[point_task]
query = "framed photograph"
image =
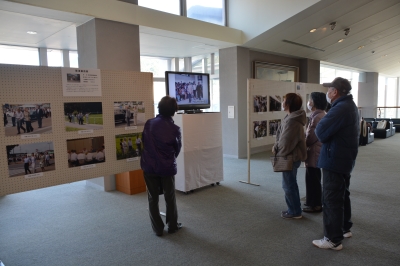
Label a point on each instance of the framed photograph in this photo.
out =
(273, 126)
(129, 113)
(260, 104)
(83, 116)
(29, 159)
(275, 103)
(259, 129)
(269, 71)
(85, 151)
(27, 118)
(128, 145)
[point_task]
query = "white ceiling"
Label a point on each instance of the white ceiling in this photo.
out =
(375, 24)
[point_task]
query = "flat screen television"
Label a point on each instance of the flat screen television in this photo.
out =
(191, 90)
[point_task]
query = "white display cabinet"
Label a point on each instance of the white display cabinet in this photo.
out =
(200, 162)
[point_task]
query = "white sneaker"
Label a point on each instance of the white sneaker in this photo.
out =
(348, 234)
(325, 243)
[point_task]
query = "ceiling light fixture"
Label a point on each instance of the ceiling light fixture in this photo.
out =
(347, 31)
(341, 40)
(333, 25)
(360, 47)
(313, 30)
(31, 32)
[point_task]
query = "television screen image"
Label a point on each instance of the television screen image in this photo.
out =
(27, 118)
(83, 116)
(259, 129)
(273, 126)
(275, 103)
(260, 103)
(191, 90)
(26, 159)
(86, 151)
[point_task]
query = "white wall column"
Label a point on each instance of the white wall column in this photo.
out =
(66, 58)
(43, 56)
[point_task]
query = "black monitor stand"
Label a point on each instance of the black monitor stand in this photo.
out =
(194, 111)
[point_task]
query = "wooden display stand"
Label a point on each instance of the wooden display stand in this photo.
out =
(200, 162)
(130, 182)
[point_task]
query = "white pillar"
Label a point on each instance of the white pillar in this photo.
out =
(43, 56)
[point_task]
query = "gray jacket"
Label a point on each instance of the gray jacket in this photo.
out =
(312, 142)
(290, 138)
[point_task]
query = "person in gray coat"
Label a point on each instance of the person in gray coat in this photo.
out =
(317, 105)
(290, 139)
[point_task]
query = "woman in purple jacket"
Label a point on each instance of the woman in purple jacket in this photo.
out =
(317, 105)
(162, 144)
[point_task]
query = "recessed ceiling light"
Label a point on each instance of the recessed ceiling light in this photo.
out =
(341, 40)
(31, 32)
(360, 47)
(313, 30)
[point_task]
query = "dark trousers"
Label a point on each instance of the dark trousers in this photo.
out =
(39, 122)
(13, 121)
(29, 127)
(26, 167)
(313, 187)
(20, 126)
(336, 205)
(167, 183)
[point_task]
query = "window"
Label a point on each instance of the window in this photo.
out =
(159, 92)
(156, 65)
(55, 58)
(73, 59)
(171, 6)
(387, 97)
(212, 11)
(329, 73)
(19, 55)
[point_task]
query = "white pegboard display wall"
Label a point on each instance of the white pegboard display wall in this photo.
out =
(32, 84)
(279, 88)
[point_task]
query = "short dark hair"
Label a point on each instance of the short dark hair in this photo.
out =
(319, 100)
(167, 106)
(293, 101)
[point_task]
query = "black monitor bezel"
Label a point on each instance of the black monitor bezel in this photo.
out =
(189, 106)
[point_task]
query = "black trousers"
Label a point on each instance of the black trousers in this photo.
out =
(26, 167)
(336, 205)
(313, 187)
(154, 183)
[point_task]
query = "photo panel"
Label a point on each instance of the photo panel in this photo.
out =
(273, 126)
(128, 145)
(83, 116)
(275, 103)
(259, 129)
(27, 118)
(85, 151)
(27, 159)
(260, 104)
(129, 113)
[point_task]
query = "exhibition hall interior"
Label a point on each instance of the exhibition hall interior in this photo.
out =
(86, 75)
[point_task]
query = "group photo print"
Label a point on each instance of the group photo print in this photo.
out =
(25, 159)
(128, 145)
(129, 113)
(27, 118)
(275, 103)
(83, 116)
(259, 129)
(85, 151)
(260, 104)
(273, 126)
